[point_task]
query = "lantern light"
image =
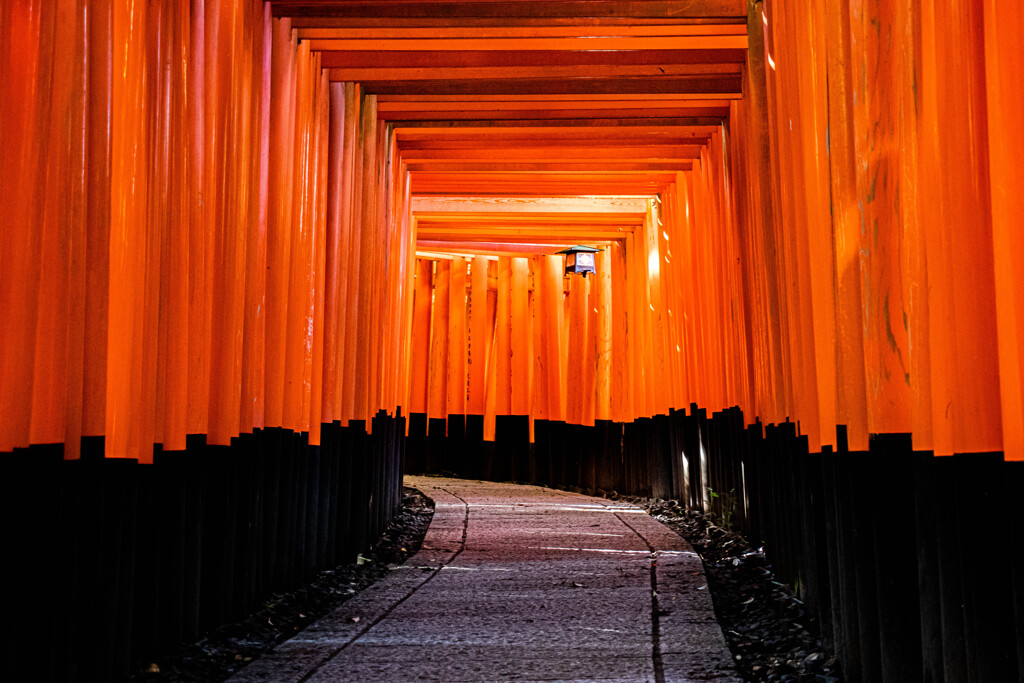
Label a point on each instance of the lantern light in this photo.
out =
(579, 259)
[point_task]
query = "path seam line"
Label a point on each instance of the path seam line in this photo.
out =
(659, 664)
(392, 608)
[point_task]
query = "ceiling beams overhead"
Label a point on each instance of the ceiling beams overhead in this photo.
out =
(535, 99)
(354, 13)
(515, 226)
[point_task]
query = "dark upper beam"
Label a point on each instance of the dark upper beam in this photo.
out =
(632, 28)
(452, 11)
(665, 126)
(683, 43)
(711, 109)
(719, 61)
(552, 184)
(555, 152)
(580, 207)
(726, 84)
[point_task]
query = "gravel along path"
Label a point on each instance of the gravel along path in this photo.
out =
(764, 623)
(226, 649)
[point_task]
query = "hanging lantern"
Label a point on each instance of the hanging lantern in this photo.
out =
(579, 259)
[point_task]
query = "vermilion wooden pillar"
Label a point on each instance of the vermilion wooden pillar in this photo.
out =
(1004, 33)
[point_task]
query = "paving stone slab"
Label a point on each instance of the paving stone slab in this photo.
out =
(520, 583)
(374, 663)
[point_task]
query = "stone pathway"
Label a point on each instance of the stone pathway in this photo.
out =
(521, 583)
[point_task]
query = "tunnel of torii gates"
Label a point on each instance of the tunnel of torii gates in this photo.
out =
(258, 259)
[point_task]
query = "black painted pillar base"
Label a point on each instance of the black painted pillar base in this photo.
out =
(911, 566)
(455, 446)
(416, 445)
(474, 453)
(437, 439)
(116, 562)
(512, 448)
(896, 570)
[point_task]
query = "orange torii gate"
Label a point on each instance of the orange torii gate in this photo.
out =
(245, 242)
